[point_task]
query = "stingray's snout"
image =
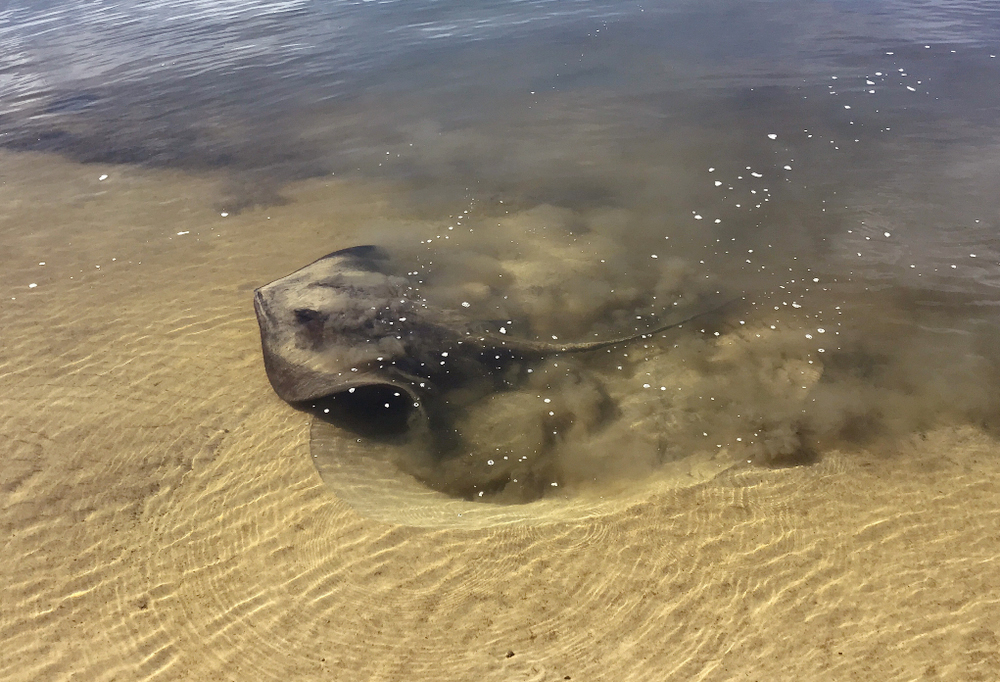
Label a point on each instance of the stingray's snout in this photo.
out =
(260, 307)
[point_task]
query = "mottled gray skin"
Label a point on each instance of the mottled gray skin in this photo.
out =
(338, 323)
(345, 321)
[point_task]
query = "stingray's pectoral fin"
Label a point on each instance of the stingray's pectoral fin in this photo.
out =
(365, 257)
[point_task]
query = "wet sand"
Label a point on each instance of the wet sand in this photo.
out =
(163, 520)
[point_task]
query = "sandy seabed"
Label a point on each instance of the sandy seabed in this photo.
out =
(163, 520)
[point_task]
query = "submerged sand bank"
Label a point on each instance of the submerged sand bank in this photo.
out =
(162, 518)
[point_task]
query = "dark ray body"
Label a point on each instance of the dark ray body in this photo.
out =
(345, 322)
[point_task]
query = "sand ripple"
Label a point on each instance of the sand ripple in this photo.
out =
(163, 520)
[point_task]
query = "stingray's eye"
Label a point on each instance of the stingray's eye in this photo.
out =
(305, 315)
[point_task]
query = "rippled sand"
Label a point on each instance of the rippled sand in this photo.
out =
(162, 517)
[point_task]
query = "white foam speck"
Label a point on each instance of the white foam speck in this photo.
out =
(465, 304)
(103, 177)
(697, 216)
(772, 136)
(224, 214)
(183, 233)
(32, 285)
(718, 183)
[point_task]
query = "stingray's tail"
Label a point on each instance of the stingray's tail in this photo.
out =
(526, 347)
(584, 346)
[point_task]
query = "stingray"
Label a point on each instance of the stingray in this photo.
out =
(347, 322)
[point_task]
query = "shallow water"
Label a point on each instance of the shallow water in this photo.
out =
(802, 487)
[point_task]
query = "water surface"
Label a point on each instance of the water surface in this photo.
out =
(791, 491)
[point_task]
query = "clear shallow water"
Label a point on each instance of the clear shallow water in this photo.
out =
(582, 139)
(830, 166)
